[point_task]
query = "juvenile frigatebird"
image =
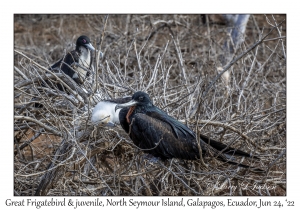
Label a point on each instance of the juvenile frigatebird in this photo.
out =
(159, 134)
(77, 64)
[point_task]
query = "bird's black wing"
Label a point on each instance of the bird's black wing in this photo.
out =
(177, 127)
(66, 65)
(157, 138)
(57, 64)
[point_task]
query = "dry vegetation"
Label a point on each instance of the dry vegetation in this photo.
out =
(174, 58)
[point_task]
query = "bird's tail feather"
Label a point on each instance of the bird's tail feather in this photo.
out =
(225, 148)
(227, 153)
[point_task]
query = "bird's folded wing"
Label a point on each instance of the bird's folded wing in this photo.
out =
(177, 127)
(157, 138)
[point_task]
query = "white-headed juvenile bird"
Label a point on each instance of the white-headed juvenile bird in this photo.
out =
(77, 63)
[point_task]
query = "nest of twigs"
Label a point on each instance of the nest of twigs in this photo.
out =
(175, 59)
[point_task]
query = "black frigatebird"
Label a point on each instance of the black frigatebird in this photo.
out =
(159, 134)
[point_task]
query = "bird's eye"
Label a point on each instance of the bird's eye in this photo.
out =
(141, 98)
(84, 41)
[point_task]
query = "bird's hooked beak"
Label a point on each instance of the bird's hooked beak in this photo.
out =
(128, 104)
(90, 46)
